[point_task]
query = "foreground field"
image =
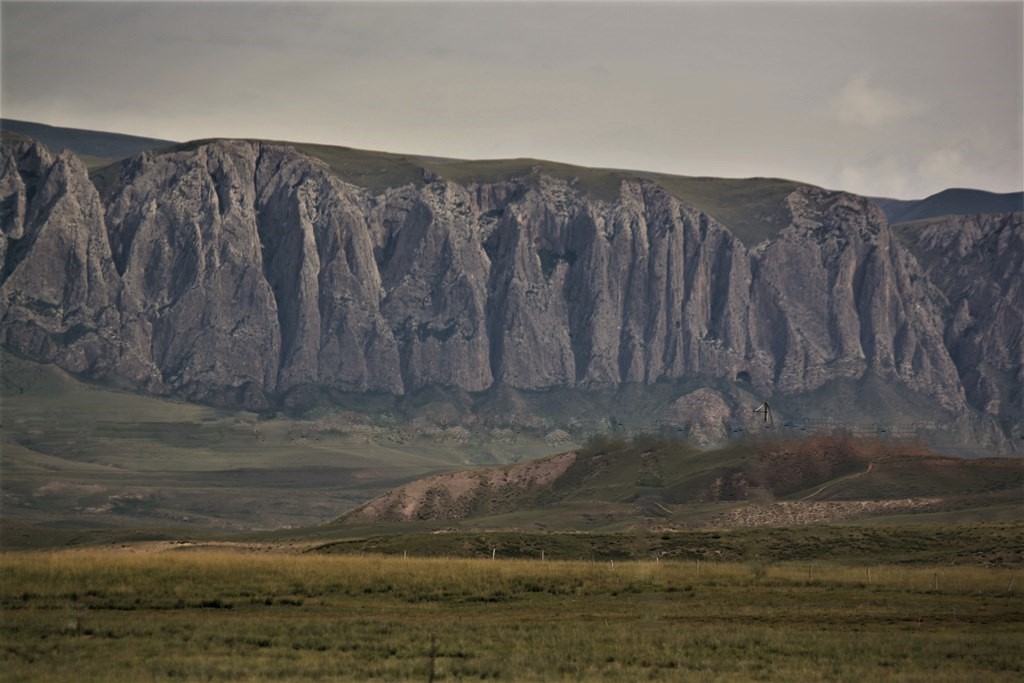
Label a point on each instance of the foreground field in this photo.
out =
(203, 615)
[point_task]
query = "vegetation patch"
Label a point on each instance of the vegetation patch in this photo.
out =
(298, 618)
(986, 544)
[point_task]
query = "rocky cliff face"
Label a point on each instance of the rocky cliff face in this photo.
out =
(977, 265)
(60, 292)
(238, 272)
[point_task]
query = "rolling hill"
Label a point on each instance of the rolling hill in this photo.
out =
(614, 485)
(951, 202)
(96, 148)
(78, 457)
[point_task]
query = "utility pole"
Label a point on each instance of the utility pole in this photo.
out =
(766, 415)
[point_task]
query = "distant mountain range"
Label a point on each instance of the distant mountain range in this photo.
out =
(269, 275)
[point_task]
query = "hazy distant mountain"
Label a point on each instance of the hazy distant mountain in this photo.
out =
(261, 275)
(952, 202)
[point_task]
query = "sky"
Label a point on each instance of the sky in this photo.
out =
(893, 99)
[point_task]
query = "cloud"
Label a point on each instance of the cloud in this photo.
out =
(915, 175)
(886, 177)
(947, 166)
(863, 104)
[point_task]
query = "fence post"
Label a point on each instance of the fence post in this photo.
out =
(433, 657)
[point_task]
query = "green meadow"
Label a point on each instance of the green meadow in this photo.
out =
(94, 615)
(86, 456)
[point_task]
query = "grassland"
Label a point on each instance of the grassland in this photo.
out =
(987, 544)
(84, 463)
(77, 455)
(100, 616)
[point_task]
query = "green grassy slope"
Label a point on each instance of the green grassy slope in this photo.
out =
(615, 485)
(750, 207)
(80, 455)
(97, 148)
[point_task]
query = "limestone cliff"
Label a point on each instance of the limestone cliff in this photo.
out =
(977, 264)
(240, 272)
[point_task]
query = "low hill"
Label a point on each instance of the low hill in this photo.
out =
(951, 202)
(96, 148)
(614, 485)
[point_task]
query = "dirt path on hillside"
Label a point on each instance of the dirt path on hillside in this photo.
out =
(832, 483)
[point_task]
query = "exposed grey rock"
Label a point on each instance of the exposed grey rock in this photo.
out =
(237, 273)
(59, 290)
(977, 265)
(846, 298)
(704, 416)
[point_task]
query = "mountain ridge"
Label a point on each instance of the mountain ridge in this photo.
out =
(241, 273)
(98, 144)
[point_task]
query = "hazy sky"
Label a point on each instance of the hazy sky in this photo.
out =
(894, 99)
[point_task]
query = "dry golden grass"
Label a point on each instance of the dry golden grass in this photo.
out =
(217, 615)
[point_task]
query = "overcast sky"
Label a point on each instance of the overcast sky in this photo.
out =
(893, 99)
